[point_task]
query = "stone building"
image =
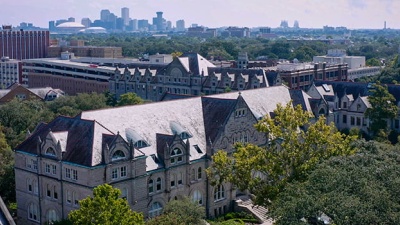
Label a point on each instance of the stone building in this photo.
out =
(153, 153)
(190, 74)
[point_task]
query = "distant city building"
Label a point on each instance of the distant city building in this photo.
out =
(284, 24)
(236, 32)
(71, 19)
(125, 16)
(69, 28)
(133, 25)
(159, 21)
(180, 25)
(201, 32)
(104, 15)
(20, 44)
(86, 22)
(339, 56)
(86, 51)
(296, 24)
(52, 25)
(143, 25)
(58, 22)
(10, 72)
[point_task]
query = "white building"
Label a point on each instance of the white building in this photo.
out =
(10, 72)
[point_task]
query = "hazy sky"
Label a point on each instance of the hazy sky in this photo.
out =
(214, 13)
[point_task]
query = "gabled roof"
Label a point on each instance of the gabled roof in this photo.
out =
(299, 97)
(196, 63)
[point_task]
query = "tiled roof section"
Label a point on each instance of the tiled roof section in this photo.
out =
(299, 97)
(216, 112)
(167, 96)
(347, 88)
(81, 146)
(108, 139)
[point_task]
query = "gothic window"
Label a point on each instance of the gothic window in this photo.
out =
(30, 187)
(155, 210)
(176, 156)
(219, 193)
(151, 186)
(118, 155)
(173, 180)
(180, 179)
(199, 173)
(193, 175)
(158, 184)
(33, 212)
(197, 197)
(52, 216)
(50, 151)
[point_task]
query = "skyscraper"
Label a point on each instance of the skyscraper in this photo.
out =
(86, 22)
(104, 14)
(180, 25)
(125, 15)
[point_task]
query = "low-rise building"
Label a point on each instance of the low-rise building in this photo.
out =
(20, 92)
(10, 72)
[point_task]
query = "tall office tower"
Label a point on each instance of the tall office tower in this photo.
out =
(133, 25)
(71, 19)
(180, 25)
(23, 44)
(296, 24)
(52, 25)
(104, 14)
(159, 21)
(143, 24)
(125, 15)
(86, 22)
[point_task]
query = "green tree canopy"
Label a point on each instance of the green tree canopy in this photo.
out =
(129, 98)
(105, 207)
(180, 212)
(358, 189)
(291, 153)
(383, 108)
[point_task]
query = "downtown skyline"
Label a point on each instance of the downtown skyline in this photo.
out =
(353, 14)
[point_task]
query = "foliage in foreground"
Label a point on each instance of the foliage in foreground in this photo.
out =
(290, 155)
(105, 207)
(358, 189)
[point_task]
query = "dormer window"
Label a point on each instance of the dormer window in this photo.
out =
(140, 144)
(184, 135)
(118, 155)
(176, 156)
(137, 140)
(50, 151)
(179, 130)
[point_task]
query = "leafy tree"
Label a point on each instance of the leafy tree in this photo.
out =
(290, 154)
(105, 207)
(130, 98)
(183, 211)
(373, 62)
(383, 108)
(357, 189)
(7, 177)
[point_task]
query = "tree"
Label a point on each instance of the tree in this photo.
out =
(180, 212)
(129, 98)
(357, 189)
(7, 177)
(105, 207)
(295, 147)
(382, 109)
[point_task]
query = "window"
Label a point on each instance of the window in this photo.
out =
(344, 105)
(123, 171)
(352, 120)
(30, 188)
(193, 175)
(358, 121)
(124, 193)
(69, 197)
(176, 156)
(180, 179)
(48, 191)
(344, 119)
(158, 184)
(114, 173)
(199, 173)
(68, 173)
(74, 175)
(35, 187)
(54, 169)
(52, 216)
(155, 210)
(151, 186)
(118, 155)
(219, 193)
(75, 198)
(50, 151)
(197, 197)
(55, 194)
(47, 168)
(173, 178)
(358, 107)
(33, 212)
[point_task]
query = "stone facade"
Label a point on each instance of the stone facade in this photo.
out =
(187, 75)
(153, 153)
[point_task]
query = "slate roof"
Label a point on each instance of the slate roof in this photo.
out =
(299, 97)
(83, 144)
(196, 63)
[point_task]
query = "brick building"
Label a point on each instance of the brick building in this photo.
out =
(20, 44)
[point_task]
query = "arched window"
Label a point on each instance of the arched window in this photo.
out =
(158, 184)
(29, 183)
(199, 173)
(118, 155)
(151, 186)
(219, 193)
(197, 197)
(33, 212)
(193, 175)
(51, 215)
(176, 156)
(155, 209)
(50, 151)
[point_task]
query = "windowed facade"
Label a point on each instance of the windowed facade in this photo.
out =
(33, 212)
(50, 151)
(51, 216)
(219, 193)
(151, 186)
(158, 184)
(118, 155)
(71, 174)
(119, 172)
